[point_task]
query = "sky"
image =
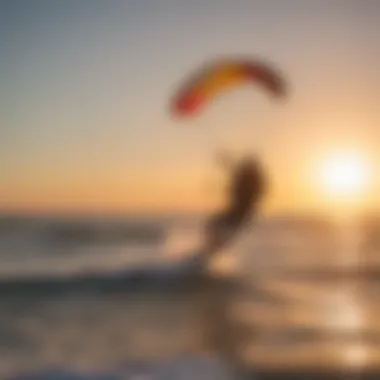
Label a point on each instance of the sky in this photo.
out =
(85, 87)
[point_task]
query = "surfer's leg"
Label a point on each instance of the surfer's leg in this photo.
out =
(214, 233)
(219, 231)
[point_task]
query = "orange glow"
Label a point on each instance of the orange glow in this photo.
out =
(341, 178)
(344, 179)
(344, 175)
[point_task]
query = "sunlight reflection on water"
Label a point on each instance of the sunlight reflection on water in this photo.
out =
(264, 314)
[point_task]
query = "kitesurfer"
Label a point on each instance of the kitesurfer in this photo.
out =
(246, 189)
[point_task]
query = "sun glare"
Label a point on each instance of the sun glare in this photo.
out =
(344, 175)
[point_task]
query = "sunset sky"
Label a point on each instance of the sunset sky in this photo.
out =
(85, 85)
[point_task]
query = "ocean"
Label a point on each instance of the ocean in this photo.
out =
(112, 298)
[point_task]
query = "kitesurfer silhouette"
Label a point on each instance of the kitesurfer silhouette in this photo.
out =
(246, 188)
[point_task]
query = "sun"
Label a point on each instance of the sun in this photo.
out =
(344, 175)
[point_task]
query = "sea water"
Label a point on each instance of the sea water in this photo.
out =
(98, 298)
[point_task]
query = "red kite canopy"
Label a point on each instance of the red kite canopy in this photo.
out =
(213, 79)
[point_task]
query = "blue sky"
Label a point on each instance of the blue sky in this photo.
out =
(85, 85)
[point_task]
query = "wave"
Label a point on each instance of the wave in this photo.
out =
(200, 368)
(88, 233)
(187, 367)
(76, 232)
(131, 279)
